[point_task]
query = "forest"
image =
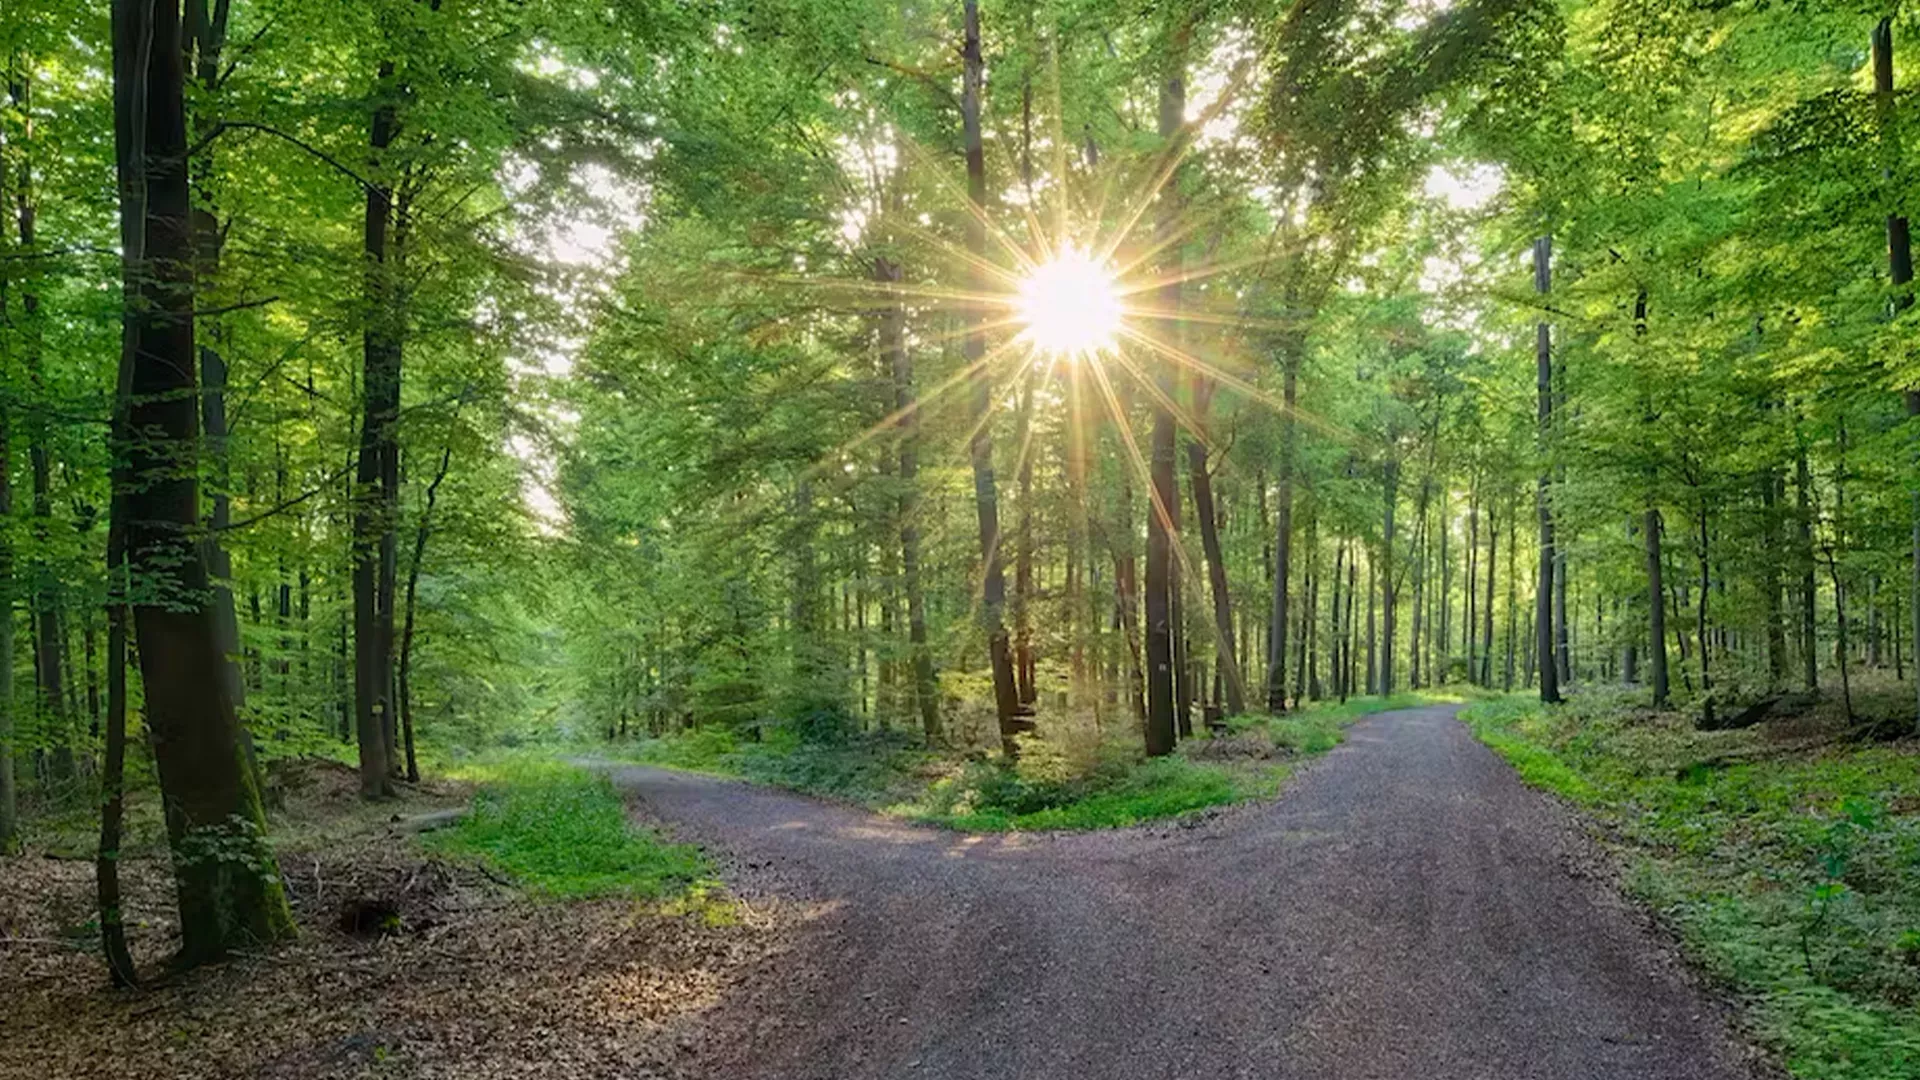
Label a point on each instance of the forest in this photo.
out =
(447, 445)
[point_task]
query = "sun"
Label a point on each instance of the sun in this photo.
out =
(1070, 306)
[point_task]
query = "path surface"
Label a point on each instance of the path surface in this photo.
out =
(1407, 910)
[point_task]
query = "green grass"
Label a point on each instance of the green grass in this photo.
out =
(563, 832)
(1071, 780)
(1793, 877)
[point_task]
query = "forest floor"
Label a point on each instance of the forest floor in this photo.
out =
(1407, 908)
(1785, 855)
(410, 963)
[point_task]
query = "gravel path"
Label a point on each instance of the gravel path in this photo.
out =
(1407, 909)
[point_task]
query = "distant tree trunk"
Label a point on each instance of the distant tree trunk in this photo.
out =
(1701, 631)
(893, 345)
(1389, 495)
(420, 533)
(1486, 607)
(1770, 490)
(1283, 533)
(1809, 626)
(1543, 361)
(1024, 664)
(1513, 588)
(1900, 272)
(229, 887)
(1469, 622)
(9, 793)
(48, 669)
(1201, 481)
(1656, 609)
(993, 591)
(1421, 535)
(1373, 665)
(1163, 499)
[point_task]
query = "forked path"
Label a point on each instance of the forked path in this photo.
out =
(1407, 910)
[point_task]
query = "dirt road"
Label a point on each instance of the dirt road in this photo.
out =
(1407, 910)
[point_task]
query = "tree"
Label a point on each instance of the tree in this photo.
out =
(228, 885)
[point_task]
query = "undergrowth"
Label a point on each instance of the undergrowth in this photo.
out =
(1072, 776)
(1792, 874)
(563, 832)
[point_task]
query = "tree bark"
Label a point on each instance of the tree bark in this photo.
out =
(1201, 481)
(48, 666)
(1390, 494)
(1900, 273)
(893, 345)
(993, 590)
(1161, 529)
(1283, 531)
(1543, 362)
(228, 885)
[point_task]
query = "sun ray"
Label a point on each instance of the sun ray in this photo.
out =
(977, 212)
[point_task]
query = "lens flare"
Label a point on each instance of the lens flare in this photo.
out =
(1070, 306)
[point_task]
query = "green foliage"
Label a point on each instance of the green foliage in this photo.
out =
(1792, 875)
(564, 832)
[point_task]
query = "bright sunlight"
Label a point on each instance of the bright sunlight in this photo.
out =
(1070, 305)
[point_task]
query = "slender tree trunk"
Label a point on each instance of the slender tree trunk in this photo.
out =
(893, 344)
(1543, 358)
(421, 531)
(1163, 498)
(49, 672)
(1373, 665)
(1470, 623)
(375, 499)
(1900, 273)
(1809, 626)
(1283, 529)
(1656, 609)
(229, 887)
(9, 794)
(1513, 588)
(1486, 607)
(1390, 494)
(993, 591)
(1701, 631)
(1201, 480)
(1024, 665)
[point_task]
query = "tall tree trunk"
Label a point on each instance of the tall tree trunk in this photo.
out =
(1701, 631)
(986, 498)
(9, 794)
(229, 887)
(49, 671)
(1024, 664)
(1163, 499)
(376, 497)
(1390, 494)
(1809, 625)
(1469, 622)
(1513, 589)
(1201, 481)
(1656, 609)
(1283, 529)
(1900, 273)
(420, 534)
(1486, 606)
(1543, 363)
(893, 345)
(206, 29)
